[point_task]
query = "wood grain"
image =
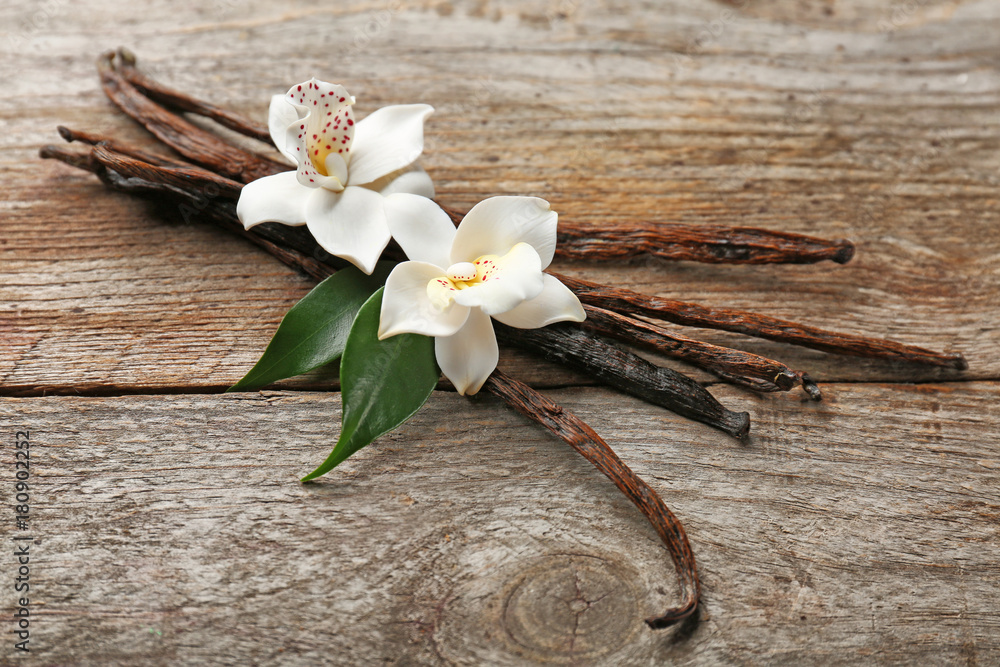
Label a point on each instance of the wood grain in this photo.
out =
(714, 133)
(173, 529)
(859, 529)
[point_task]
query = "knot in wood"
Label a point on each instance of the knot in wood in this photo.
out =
(571, 607)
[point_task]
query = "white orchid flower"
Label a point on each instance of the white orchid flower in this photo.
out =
(345, 169)
(491, 266)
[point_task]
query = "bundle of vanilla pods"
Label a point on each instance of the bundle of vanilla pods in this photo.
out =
(205, 175)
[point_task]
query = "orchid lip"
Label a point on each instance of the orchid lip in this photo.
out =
(462, 271)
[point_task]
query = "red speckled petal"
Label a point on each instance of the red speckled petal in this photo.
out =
(504, 282)
(325, 126)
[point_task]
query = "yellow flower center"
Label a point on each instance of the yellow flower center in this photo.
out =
(460, 276)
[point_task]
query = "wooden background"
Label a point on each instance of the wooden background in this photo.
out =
(170, 526)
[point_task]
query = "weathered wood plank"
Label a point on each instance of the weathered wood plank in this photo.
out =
(852, 132)
(173, 529)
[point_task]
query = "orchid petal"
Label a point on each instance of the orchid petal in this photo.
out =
(406, 307)
(556, 303)
(280, 115)
(412, 180)
(277, 198)
(387, 140)
(497, 224)
(336, 167)
(468, 357)
(349, 224)
(325, 125)
(421, 228)
(504, 282)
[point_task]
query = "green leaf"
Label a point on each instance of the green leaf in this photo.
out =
(384, 382)
(315, 330)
